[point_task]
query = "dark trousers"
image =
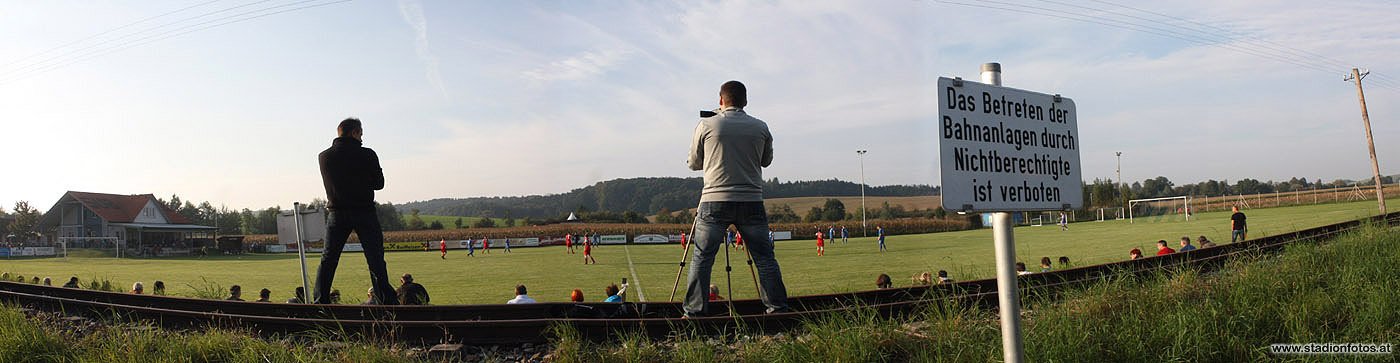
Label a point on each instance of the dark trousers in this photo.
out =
(365, 224)
(712, 219)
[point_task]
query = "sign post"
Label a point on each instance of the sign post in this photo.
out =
(301, 253)
(1006, 150)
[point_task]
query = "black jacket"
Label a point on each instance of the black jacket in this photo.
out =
(351, 174)
(413, 293)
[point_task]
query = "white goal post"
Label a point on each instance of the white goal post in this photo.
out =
(1185, 205)
(65, 242)
(1116, 213)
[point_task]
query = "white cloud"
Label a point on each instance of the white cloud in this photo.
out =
(412, 13)
(577, 67)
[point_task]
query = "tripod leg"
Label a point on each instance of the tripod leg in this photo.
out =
(728, 280)
(752, 272)
(684, 257)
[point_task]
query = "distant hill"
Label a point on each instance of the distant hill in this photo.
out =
(640, 195)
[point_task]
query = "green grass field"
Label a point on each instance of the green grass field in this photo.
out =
(550, 273)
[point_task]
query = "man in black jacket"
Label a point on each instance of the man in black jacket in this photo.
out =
(412, 293)
(351, 174)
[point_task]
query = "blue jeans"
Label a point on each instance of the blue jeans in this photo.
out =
(365, 223)
(1236, 235)
(712, 218)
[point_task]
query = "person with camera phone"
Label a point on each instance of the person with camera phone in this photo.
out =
(732, 148)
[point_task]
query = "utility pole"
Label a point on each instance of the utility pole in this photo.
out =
(863, 233)
(1356, 77)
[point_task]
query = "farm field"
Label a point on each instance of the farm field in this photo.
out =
(802, 204)
(550, 273)
(448, 221)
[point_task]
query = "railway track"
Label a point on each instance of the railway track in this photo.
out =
(531, 323)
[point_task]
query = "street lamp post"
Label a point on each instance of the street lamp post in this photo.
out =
(862, 193)
(1119, 170)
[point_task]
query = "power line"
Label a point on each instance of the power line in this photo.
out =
(60, 57)
(1331, 62)
(218, 22)
(108, 31)
(1155, 30)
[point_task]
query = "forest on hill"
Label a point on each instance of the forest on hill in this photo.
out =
(644, 196)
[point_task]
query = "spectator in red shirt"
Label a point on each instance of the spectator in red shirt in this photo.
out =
(1162, 248)
(714, 293)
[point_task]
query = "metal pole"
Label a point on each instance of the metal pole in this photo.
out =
(1119, 170)
(301, 253)
(862, 193)
(1005, 240)
(1356, 75)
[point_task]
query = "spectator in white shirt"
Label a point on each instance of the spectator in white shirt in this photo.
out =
(520, 297)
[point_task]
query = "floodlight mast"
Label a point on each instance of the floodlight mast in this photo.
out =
(863, 232)
(1004, 239)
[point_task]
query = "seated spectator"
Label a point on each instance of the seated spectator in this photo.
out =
(72, 283)
(158, 288)
(576, 296)
(369, 298)
(1204, 242)
(36, 280)
(1134, 254)
(1162, 248)
(1064, 262)
(412, 293)
(20, 279)
(265, 295)
(714, 293)
(520, 296)
(1186, 244)
(615, 293)
(943, 277)
(923, 279)
(48, 281)
(1021, 269)
(235, 293)
(298, 296)
(335, 296)
(1044, 264)
(136, 288)
(883, 282)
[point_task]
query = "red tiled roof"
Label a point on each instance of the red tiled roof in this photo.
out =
(123, 208)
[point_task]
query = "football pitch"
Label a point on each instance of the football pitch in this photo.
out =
(550, 273)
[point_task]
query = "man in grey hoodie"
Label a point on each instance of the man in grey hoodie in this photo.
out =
(732, 147)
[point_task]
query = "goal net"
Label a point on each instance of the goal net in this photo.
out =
(1160, 208)
(1112, 214)
(89, 247)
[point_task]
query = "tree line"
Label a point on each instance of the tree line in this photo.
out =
(1102, 192)
(670, 199)
(643, 196)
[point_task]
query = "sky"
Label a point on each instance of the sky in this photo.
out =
(499, 98)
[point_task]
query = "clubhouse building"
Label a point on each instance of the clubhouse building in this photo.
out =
(137, 222)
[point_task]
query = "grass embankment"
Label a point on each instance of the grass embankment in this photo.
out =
(551, 274)
(23, 339)
(1342, 291)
